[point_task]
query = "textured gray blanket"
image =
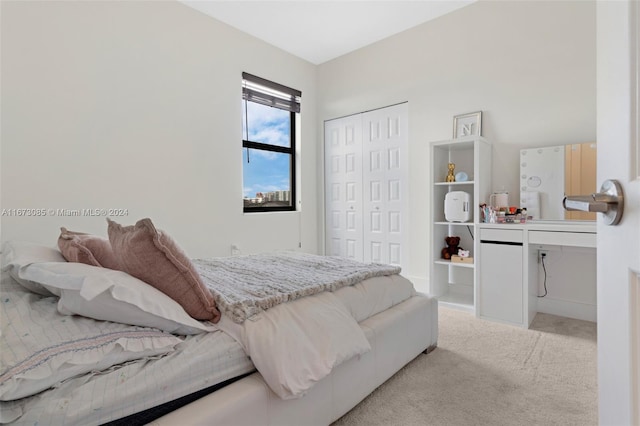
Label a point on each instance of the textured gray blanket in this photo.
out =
(246, 285)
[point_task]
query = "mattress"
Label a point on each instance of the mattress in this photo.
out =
(199, 362)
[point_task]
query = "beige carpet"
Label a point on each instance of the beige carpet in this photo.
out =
(485, 373)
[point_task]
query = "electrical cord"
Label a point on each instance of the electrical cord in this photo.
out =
(544, 268)
(246, 125)
(469, 229)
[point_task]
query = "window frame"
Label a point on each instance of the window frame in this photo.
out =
(290, 150)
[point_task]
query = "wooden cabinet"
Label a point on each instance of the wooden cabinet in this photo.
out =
(455, 284)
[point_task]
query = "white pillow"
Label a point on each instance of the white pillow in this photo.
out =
(110, 295)
(17, 255)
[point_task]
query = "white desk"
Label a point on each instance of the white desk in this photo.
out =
(508, 265)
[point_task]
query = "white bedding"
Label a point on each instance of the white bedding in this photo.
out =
(198, 362)
(203, 360)
(374, 295)
(39, 347)
(296, 344)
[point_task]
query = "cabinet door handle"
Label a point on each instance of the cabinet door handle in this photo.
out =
(502, 243)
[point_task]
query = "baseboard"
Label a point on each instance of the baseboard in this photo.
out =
(565, 308)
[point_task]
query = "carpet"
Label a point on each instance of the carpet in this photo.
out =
(486, 373)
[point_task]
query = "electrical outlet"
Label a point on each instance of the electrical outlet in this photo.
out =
(541, 255)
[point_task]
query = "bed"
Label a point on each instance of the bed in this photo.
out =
(86, 344)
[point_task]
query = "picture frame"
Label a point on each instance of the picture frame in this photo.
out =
(469, 124)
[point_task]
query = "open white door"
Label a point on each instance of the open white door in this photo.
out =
(618, 25)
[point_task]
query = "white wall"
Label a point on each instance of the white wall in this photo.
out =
(571, 282)
(136, 105)
(528, 65)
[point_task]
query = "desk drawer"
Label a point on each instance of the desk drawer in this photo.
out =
(575, 239)
(506, 235)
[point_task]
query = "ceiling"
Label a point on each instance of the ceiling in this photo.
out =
(319, 31)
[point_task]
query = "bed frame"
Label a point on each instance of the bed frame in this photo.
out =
(397, 336)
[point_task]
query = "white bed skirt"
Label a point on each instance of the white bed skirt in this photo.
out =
(397, 336)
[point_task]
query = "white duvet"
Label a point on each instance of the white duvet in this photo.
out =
(296, 314)
(296, 344)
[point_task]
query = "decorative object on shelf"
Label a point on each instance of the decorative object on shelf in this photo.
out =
(512, 214)
(452, 247)
(461, 259)
(450, 176)
(456, 206)
(461, 177)
(499, 200)
(484, 213)
(467, 124)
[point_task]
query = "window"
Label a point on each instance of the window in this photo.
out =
(269, 141)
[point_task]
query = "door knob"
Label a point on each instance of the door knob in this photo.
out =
(609, 201)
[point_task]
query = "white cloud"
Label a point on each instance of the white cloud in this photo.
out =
(267, 125)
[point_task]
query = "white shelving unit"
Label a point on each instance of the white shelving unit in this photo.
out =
(455, 284)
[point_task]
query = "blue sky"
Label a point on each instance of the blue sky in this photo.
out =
(266, 171)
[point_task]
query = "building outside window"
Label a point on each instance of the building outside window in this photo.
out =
(269, 140)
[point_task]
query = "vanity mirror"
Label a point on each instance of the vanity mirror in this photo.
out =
(548, 174)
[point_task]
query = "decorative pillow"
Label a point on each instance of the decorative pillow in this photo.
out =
(109, 295)
(86, 248)
(47, 348)
(16, 255)
(154, 257)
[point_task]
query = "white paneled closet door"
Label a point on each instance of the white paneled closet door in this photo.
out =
(385, 177)
(366, 175)
(343, 180)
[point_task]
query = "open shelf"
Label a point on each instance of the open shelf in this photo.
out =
(469, 182)
(456, 300)
(455, 264)
(454, 284)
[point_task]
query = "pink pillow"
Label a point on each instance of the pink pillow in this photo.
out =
(154, 257)
(86, 248)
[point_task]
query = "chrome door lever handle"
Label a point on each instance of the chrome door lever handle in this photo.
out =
(609, 201)
(585, 203)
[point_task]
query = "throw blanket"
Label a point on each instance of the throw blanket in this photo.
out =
(244, 286)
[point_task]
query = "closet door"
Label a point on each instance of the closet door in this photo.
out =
(385, 177)
(343, 187)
